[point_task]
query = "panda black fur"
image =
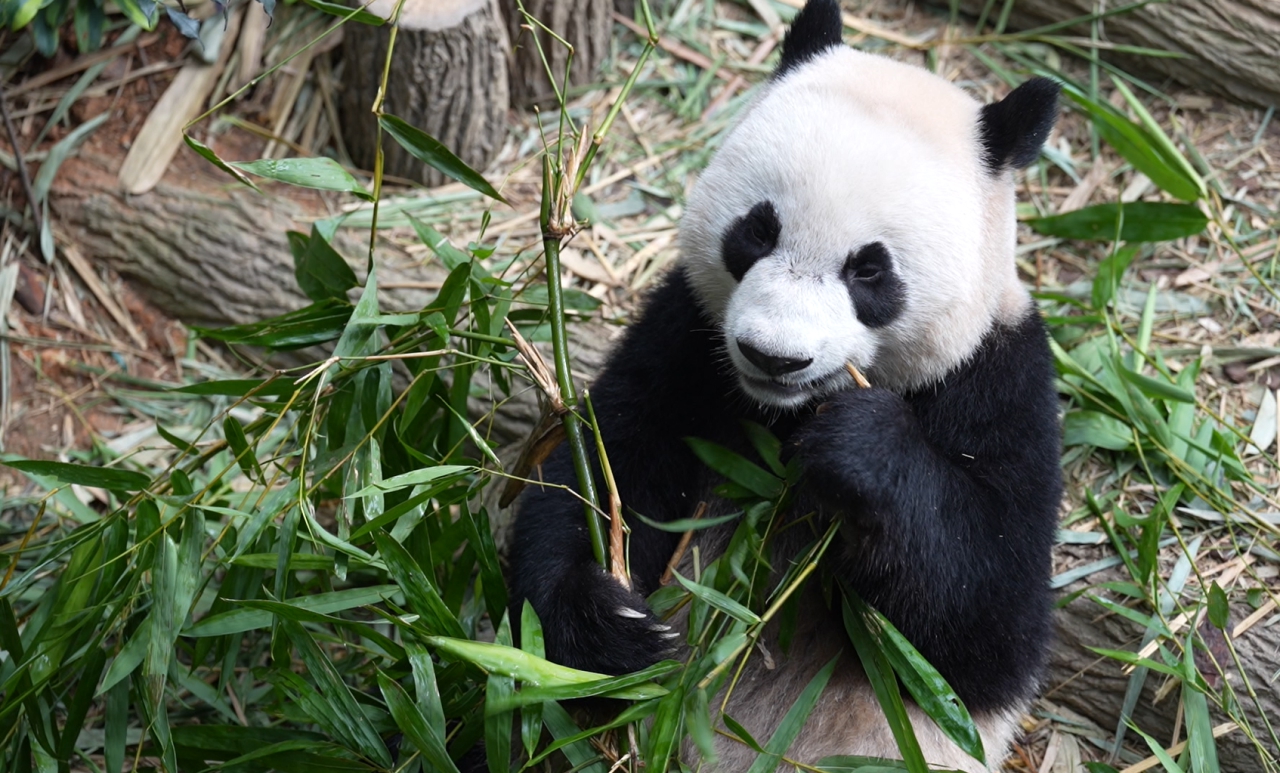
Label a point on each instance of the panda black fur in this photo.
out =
(862, 210)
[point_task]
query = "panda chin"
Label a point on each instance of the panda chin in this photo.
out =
(774, 394)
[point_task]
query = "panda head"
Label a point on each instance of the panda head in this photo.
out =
(861, 212)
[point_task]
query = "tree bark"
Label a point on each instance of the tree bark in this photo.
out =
(450, 79)
(1094, 686)
(583, 24)
(1232, 47)
(213, 254)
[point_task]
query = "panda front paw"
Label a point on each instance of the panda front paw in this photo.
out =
(595, 624)
(854, 448)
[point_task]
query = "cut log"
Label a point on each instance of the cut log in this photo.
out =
(213, 254)
(449, 78)
(1232, 47)
(583, 24)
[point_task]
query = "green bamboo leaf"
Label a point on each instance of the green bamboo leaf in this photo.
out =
(450, 256)
(1170, 765)
(1160, 141)
(320, 271)
(880, 673)
(425, 686)
(248, 619)
(415, 726)
(117, 726)
(1136, 146)
(297, 561)
(419, 590)
(207, 154)
(78, 706)
(1203, 747)
(719, 600)
(681, 525)
(1157, 388)
(352, 13)
(1219, 610)
(1134, 659)
(320, 173)
(529, 669)
(108, 478)
(611, 687)
(245, 455)
(1091, 428)
(1110, 273)
(789, 728)
(929, 689)
(737, 469)
(417, 477)
(318, 323)
(240, 387)
(1144, 221)
(573, 741)
(61, 151)
(741, 732)
(129, 657)
(429, 151)
(531, 641)
(497, 718)
(363, 736)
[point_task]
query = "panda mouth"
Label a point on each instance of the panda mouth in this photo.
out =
(781, 393)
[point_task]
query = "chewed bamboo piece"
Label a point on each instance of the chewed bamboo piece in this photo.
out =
(858, 378)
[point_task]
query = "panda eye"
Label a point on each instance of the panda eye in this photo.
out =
(876, 290)
(869, 264)
(750, 238)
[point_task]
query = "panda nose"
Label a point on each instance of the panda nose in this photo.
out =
(772, 364)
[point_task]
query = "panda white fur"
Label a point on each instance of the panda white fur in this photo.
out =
(861, 211)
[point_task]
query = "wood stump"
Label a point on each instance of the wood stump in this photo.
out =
(1232, 47)
(449, 78)
(584, 24)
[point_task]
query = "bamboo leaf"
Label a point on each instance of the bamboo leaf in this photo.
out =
(1144, 221)
(719, 600)
(361, 733)
(415, 726)
(880, 673)
(793, 722)
(429, 151)
(320, 173)
(931, 692)
(737, 469)
(98, 477)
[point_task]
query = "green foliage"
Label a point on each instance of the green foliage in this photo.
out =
(312, 584)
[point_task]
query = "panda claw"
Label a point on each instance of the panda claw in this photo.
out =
(631, 613)
(670, 634)
(659, 627)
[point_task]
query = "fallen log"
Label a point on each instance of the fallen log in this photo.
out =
(1230, 47)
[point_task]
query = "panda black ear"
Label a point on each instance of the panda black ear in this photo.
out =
(1013, 129)
(815, 29)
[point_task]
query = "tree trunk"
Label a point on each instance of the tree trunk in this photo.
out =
(449, 78)
(213, 254)
(1232, 46)
(583, 24)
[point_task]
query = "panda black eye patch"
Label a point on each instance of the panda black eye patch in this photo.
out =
(874, 287)
(750, 238)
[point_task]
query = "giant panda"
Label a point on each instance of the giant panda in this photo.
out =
(861, 211)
